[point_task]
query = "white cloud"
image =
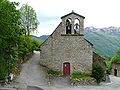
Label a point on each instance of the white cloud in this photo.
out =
(98, 13)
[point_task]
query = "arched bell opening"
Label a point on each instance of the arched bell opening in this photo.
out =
(68, 26)
(76, 26)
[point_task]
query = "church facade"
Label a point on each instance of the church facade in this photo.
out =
(66, 49)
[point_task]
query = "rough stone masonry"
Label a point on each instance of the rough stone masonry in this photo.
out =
(68, 46)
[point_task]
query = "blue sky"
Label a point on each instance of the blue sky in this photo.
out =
(98, 13)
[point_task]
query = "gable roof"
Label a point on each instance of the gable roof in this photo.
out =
(73, 13)
(51, 34)
(89, 42)
(99, 55)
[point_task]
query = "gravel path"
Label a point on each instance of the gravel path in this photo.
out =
(32, 74)
(33, 77)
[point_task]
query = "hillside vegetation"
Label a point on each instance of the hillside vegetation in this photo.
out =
(104, 44)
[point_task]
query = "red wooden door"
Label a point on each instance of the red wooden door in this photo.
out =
(66, 68)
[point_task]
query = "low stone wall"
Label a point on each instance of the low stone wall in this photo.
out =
(90, 81)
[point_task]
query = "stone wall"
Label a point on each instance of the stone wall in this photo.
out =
(117, 67)
(73, 17)
(59, 48)
(89, 81)
(98, 58)
(72, 49)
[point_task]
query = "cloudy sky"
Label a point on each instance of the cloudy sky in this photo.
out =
(98, 13)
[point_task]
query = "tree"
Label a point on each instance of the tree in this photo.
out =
(28, 19)
(1, 1)
(116, 58)
(14, 45)
(9, 35)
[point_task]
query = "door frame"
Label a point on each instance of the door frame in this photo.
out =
(68, 69)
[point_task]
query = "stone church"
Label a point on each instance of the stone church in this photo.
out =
(66, 49)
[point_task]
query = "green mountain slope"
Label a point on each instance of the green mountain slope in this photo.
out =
(104, 44)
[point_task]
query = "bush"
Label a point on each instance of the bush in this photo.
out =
(98, 72)
(36, 44)
(3, 68)
(52, 72)
(3, 73)
(116, 58)
(79, 75)
(26, 45)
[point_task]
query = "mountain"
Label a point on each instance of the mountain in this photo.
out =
(105, 44)
(106, 41)
(110, 30)
(41, 38)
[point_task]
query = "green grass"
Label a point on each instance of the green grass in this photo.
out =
(79, 75)
(52, 72)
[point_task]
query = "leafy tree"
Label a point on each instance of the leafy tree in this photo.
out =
(9, 34)
(1, 1)
(116, 58)
(28, 19)
(14, 45)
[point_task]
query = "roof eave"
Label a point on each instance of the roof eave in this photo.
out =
(73, 13)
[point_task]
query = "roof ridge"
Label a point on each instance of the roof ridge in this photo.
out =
(73, 13)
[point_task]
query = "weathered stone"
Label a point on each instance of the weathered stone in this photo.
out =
(116, 69)
(90, 81)
(73, 48)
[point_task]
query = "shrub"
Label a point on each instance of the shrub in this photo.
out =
(3, 73)
(79, 75)
(3, 68)
(52, 72)
(36, 44)
(98, 72)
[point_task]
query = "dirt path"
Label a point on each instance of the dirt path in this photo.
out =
(32, 74)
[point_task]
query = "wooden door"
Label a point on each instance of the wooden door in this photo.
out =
(66, 68)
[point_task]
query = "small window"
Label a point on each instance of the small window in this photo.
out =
(76, 26)
(68, 26)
